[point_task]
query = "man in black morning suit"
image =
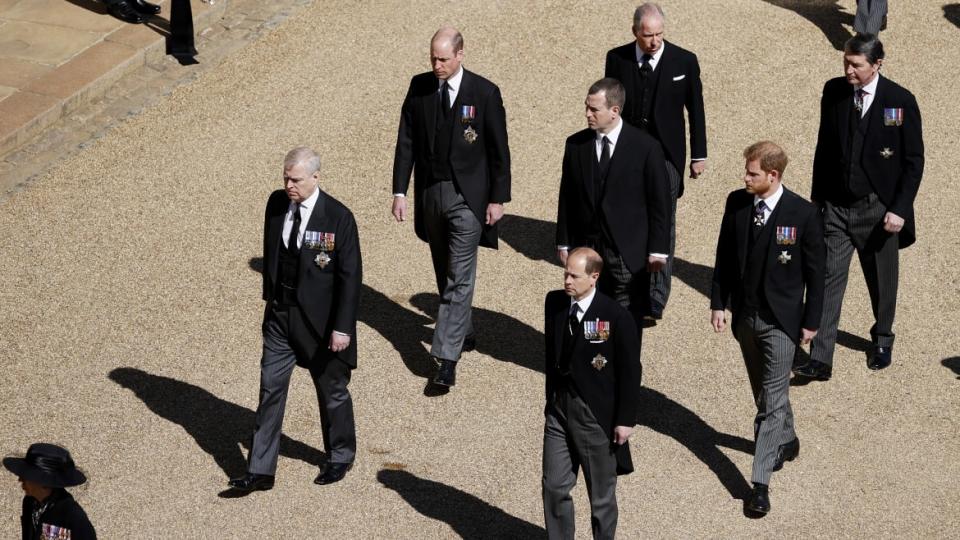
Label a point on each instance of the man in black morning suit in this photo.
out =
(453, 137)
(614, 198)
(311, 283)
(662, 79)
(769, 271)
(592, 381)
(866, 173)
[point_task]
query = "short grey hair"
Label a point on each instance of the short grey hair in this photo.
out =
(646, 10)
(302, 155)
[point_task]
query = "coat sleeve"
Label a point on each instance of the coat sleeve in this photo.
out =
(723, 273)
(629, 371)
(659, 209)
(403, 158)
(498, 149)
(814, 270)
(563, 234)
(349, 276)
(825, 162)
(695, 112)
(912, 169)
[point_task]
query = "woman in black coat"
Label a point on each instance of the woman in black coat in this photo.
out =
(49, 512)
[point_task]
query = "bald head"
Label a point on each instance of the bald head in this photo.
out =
(446, 52)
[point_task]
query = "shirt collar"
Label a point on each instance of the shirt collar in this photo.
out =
(871, 87)
(655, 57)
(585, 301)
(614, 133)
(453, 82)
(309, 202)
(772, 200)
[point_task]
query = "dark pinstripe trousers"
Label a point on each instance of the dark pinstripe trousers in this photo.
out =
(572, 439)
(869, 17)
(858, 227)
(660, 281)
(285, 337)
(768, 354)
(632, 291)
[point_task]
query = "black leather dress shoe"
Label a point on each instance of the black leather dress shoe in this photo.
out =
(881, 358)
(252, 482)
(446, 374)
(333, 472)
(145, 7)
(469, 344)
(815, 370)
(759, 500)
(125, 12)
(787, 452)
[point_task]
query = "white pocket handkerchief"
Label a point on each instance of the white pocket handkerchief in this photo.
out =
(679, 78)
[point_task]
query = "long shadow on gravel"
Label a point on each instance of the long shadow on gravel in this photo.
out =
(218, 426)
(499, 336)
(468, 516)
(951, 12)
(827, 15)
(533, 238)
(666, 416)
(953, 364)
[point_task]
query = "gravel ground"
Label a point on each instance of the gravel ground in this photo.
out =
(130, 315)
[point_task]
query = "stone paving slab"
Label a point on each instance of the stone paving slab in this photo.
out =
(57, 55)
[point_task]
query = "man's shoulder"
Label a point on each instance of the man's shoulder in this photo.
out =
(837, 85)
(678, 52)
(583, 136)
(555, 300)
(479, 83)
(737, 199)
(636, 137)
(333, 206)
(890, 89)
(795, 202)
(627, 52)
(278, 199)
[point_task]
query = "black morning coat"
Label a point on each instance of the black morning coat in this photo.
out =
(793, 278)
(328, 295)
(611, 392)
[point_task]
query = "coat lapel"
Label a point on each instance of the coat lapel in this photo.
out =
(430, 112)
(315, 223)
(743, 230)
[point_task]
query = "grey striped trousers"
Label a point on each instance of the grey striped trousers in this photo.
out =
(870, 15)
(858, 227)
(768, 354)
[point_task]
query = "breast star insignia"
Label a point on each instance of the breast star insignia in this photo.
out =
(784, 257)
(886, 153)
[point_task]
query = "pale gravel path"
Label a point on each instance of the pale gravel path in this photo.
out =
(110, 262)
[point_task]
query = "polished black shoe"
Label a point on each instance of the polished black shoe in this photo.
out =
(881, 358)
(446, 373)
(333, 472)
(815, 370)
(125, 11)
(759, 500)
(787, 452)
(144, 7)
(800, 359)
(252, 482)
(469, 344)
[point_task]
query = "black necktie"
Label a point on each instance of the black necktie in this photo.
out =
(572, 321)
(605, 156)
(645, 67)
(445, 98)
(294, 230)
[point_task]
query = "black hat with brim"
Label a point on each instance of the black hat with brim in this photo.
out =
(46, 464)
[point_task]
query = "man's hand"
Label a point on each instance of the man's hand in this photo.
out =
(562, 255)
(399, 208)
(806, 336)
(697, 168)
(655, 264)
(718, 320)
(892, 223)
(621, 434)
(338, 341)
(494, 213)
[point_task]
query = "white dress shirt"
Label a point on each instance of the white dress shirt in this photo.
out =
(306, 210)
(613, 136)
(869, 92)
(654, 59)
(583, 304)
(770, 202)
